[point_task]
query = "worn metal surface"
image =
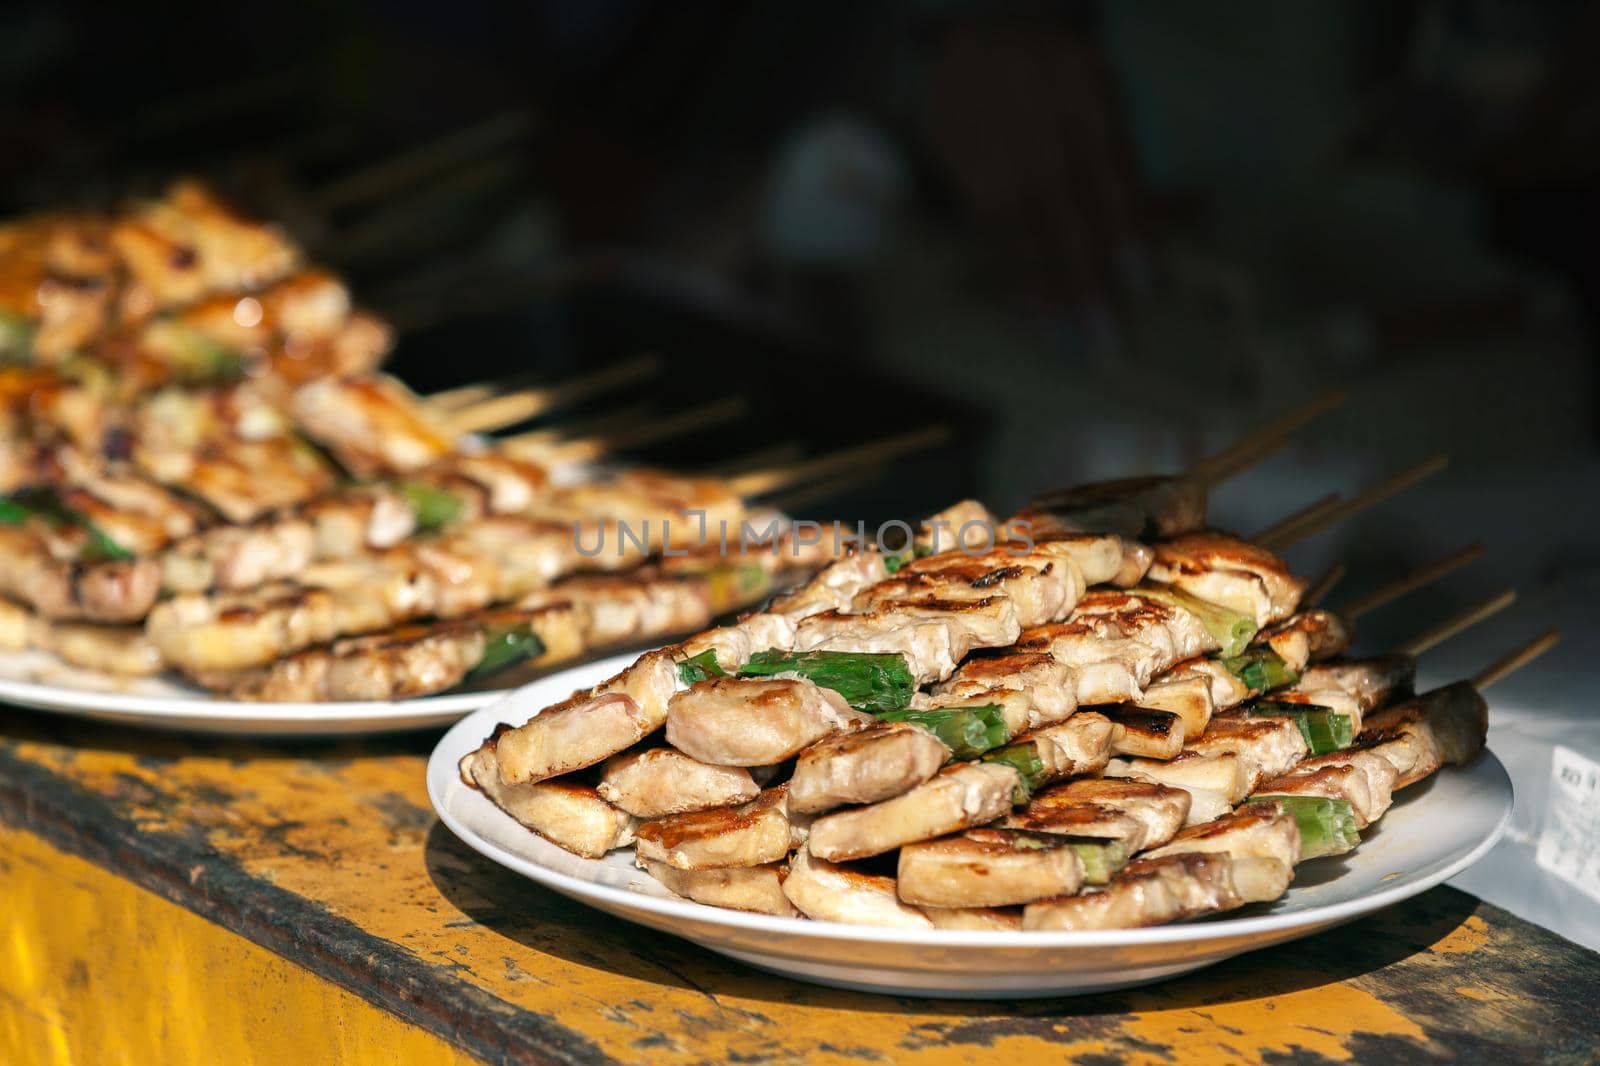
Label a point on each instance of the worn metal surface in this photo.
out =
(329, 855)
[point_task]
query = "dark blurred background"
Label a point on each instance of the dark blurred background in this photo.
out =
(1093, 238)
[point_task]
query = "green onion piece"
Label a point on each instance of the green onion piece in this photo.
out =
(506, 645)
(1325, 730)
(1327, 825)
(433, 507)
(697, 668)
(967, 731)
(1260, 669)
(870, 681)
(1232, 630)
(1101, 858)
(46, 506)
(16, 338)
(1024, 759)
(892, 563)
(732, 585)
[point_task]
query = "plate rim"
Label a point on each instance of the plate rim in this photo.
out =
(442, 769)
(65, 699)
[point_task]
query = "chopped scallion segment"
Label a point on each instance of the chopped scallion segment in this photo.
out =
(1325, 730)
(870, 681)
(1260, 669)
(47, 507)
(505, 646)
(1327, 825)
(433, 507)
(1024, 759)
(697, 668)
(1101, 859)
(967, 731)
(1232, 630)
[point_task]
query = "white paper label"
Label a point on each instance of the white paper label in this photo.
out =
(1569, 847)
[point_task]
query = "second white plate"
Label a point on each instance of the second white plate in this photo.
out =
(41, 681)
(1434, 832)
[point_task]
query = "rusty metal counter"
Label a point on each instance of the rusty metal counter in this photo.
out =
(179, 899)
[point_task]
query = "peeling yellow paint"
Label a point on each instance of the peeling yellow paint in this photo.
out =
(1470, 935)
(97, 970)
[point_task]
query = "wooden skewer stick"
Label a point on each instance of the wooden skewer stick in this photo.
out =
(423, 161)
(1362, 501)
(761, 482)
(1436, 635)
(787, 452)
(553, 438)
(1245, 453)
(1323, 585)
(447, 400)
(1515, 661)
(1286, 525)
(524, 404)
(684, 422)
(1425, 575)
(789, 502)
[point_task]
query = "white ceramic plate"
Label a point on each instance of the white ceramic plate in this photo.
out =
(41, 681)
(1433, 832)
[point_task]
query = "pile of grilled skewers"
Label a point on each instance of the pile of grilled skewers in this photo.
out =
(202, 470)
(1120, 719)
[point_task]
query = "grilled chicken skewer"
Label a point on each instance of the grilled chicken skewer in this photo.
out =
(464, 569)
(1249, 856)
(591, 613)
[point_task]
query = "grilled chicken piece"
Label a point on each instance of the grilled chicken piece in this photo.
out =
(239, 557)
(1146, 892)
(964, 524)
(835, 587)
(734, 644)
(1042, 585)
(15, 625)
(628, 607)
(758, 889)
(1230, 572)
(1226, 689)
(757, 833)
(958, 797)
(567, 813)
(1447, 725)
(933, 635)
(1140, 813)
(1268, 745)
(1363, 779)
(988, 868)
(590, 726)
(1144, 733)
(1256, 830)
(1080, 745)
(1373, 681)
(1141, 508)
(1307, 637)
(1189, 696)
(829, 892)
(413, 660)
(118, 591)
(372, 425)
(187, 244)
(977, 919)
(120, 650)
(1215, 783)
(1050, 688)
(657, 782)
(359, 519)
(738, 721)
(876, 763)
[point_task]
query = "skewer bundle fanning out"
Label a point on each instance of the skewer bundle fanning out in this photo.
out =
(202, 470)
(1109, 716)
